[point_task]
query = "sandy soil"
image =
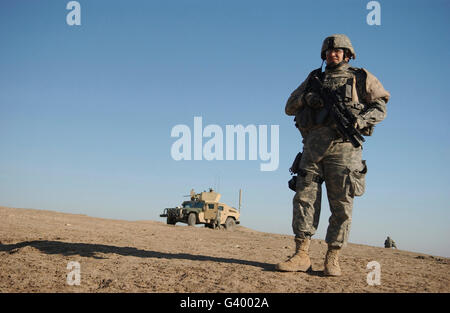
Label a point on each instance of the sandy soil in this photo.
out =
(149, 256)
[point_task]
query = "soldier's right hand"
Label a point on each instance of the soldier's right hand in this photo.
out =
(313, 100)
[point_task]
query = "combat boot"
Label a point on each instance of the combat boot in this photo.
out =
(300, 260)
(332, 267)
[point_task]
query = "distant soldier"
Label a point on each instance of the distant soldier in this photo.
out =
(389, 243)
(329, 154)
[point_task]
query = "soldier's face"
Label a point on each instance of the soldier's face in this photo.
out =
(334, 56)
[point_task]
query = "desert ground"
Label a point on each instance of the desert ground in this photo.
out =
(36, 247)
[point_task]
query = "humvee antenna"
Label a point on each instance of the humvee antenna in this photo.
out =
(240, 199)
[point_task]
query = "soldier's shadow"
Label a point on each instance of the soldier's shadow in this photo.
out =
(91, 250)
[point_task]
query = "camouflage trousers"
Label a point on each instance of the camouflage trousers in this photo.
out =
(326, 158)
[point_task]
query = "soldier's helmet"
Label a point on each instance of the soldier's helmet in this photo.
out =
(337, 41)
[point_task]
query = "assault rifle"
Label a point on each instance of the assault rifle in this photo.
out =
(342, 116)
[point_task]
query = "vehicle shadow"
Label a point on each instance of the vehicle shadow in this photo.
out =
(90, 250)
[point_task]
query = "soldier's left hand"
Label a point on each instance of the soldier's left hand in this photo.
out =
(360, 123)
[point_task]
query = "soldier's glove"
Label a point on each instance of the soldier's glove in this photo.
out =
(360, 123)
(313, 100)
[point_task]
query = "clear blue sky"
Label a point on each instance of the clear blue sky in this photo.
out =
(86, 111)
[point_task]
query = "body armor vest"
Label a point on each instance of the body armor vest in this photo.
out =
(341, 80)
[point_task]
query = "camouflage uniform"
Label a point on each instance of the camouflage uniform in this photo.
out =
(327, 157)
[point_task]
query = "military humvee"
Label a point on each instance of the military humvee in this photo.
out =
(203, 208)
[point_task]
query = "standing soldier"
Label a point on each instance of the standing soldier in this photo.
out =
(389, 243)
(328, 155)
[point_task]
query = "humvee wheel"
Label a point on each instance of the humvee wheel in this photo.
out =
(192, 219)
(171, 221)
(230, 223)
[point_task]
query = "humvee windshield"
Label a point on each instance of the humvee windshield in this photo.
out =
(192, 204)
